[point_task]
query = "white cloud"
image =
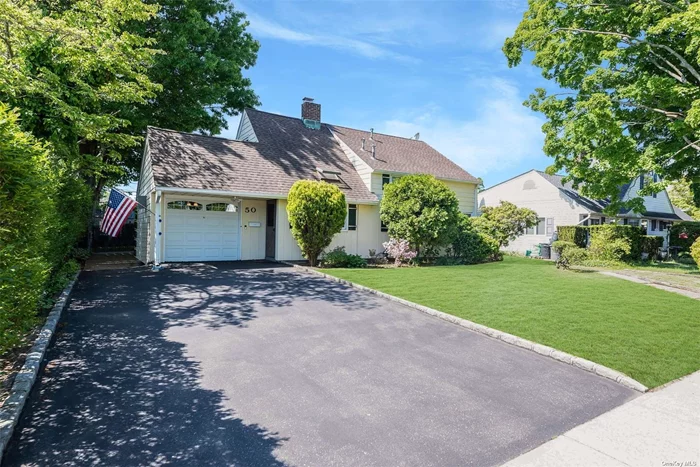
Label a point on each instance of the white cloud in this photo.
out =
(500, 135)
(261, 27)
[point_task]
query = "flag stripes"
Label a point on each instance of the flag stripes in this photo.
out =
(118, 209)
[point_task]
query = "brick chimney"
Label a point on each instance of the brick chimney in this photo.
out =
(310, 110)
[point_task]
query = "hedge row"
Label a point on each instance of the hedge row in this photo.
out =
(579, 235)
(576, 234)
(43, 211)
(683, 234)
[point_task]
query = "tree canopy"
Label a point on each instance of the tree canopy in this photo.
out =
(629, 73)
(505, 222)
(420, 209)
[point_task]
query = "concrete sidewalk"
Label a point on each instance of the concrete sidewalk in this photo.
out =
(660, 428)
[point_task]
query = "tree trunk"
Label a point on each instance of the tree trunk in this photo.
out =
(97, 192)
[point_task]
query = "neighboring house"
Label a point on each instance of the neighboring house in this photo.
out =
(214, 199)
(557, 203)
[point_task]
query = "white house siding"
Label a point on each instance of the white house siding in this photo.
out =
(357, 242)
(662, 203)
(144, 218)
(531, 190)
(364, 170)
(253, 238)
(465, 191)
(245, 130)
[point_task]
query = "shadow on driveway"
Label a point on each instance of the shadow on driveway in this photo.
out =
(115, 391)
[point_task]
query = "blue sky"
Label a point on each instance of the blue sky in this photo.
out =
(404, 67)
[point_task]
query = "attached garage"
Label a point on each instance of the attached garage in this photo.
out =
(201, 231)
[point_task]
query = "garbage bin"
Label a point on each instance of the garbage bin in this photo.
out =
(545, 250)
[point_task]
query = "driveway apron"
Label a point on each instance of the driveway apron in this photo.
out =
(255, 364)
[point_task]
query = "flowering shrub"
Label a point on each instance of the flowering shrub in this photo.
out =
(400, 250)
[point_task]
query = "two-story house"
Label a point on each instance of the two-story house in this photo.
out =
(558, 203)
(214, 199)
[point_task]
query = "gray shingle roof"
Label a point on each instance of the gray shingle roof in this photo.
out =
(396, 154)
(288, 152)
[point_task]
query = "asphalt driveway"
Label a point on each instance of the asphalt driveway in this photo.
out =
(247, 364)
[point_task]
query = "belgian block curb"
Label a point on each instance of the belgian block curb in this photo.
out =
(550, 352)
(24, 381)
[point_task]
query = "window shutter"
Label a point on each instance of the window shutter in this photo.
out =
(550, 226)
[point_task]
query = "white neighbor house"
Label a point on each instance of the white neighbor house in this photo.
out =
(214, 199)
(557, 203)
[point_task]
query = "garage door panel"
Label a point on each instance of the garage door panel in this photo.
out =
(201, 235)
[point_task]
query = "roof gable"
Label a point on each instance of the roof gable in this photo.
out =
(404, 155)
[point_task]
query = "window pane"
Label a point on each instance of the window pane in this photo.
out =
(386, 178)
(352, 217)
(384, 227)
(221, 207)
(530, 231)
(176, 205)
(540, 226)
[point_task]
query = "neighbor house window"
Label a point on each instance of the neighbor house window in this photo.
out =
(634, 222)
(351, 218)
(384, 227)
(653, 225)
(581, 218)
(541, 228)
(662, 225)
(595, 221)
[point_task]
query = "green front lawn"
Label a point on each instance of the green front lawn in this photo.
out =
(649, 334)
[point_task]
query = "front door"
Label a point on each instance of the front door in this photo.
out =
(270, 227)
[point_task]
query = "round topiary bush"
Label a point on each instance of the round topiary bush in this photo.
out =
(316, 213)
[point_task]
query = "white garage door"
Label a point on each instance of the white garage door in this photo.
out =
(200, 231)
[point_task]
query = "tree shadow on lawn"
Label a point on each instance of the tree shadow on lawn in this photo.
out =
(115, 391)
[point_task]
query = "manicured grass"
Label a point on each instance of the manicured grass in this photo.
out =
(646, 333)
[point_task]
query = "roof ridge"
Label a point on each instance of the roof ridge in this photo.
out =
(383, 134)
(339, 126)
(187, 133)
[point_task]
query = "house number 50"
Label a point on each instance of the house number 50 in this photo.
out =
(250, 209)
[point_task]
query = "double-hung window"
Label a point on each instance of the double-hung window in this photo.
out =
(386, 179)
(351, 218)
(539, 229)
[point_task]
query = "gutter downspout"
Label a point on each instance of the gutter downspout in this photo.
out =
(158, 231)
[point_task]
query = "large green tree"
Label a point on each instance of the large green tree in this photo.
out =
(629, 73)
(682, 196)
(205, 48)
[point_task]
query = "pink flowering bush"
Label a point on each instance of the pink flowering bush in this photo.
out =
(400, 250)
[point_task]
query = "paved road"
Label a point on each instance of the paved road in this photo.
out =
(231, 364)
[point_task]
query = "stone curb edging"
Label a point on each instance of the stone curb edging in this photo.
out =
(550, 352)
(24, 381)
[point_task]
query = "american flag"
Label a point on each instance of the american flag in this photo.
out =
(119, 207)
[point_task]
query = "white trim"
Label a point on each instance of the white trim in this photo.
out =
(241, 194)
(158, 228)
(402, 174)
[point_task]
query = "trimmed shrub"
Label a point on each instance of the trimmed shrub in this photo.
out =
(684, 234)
(571, 255)
(576, 234)
(605, 245)
(471, 246)
(422, 210)
(560, 245)
(650, 244)
(316, 213)
(695, 251)
(338, 258)
(629, 249)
